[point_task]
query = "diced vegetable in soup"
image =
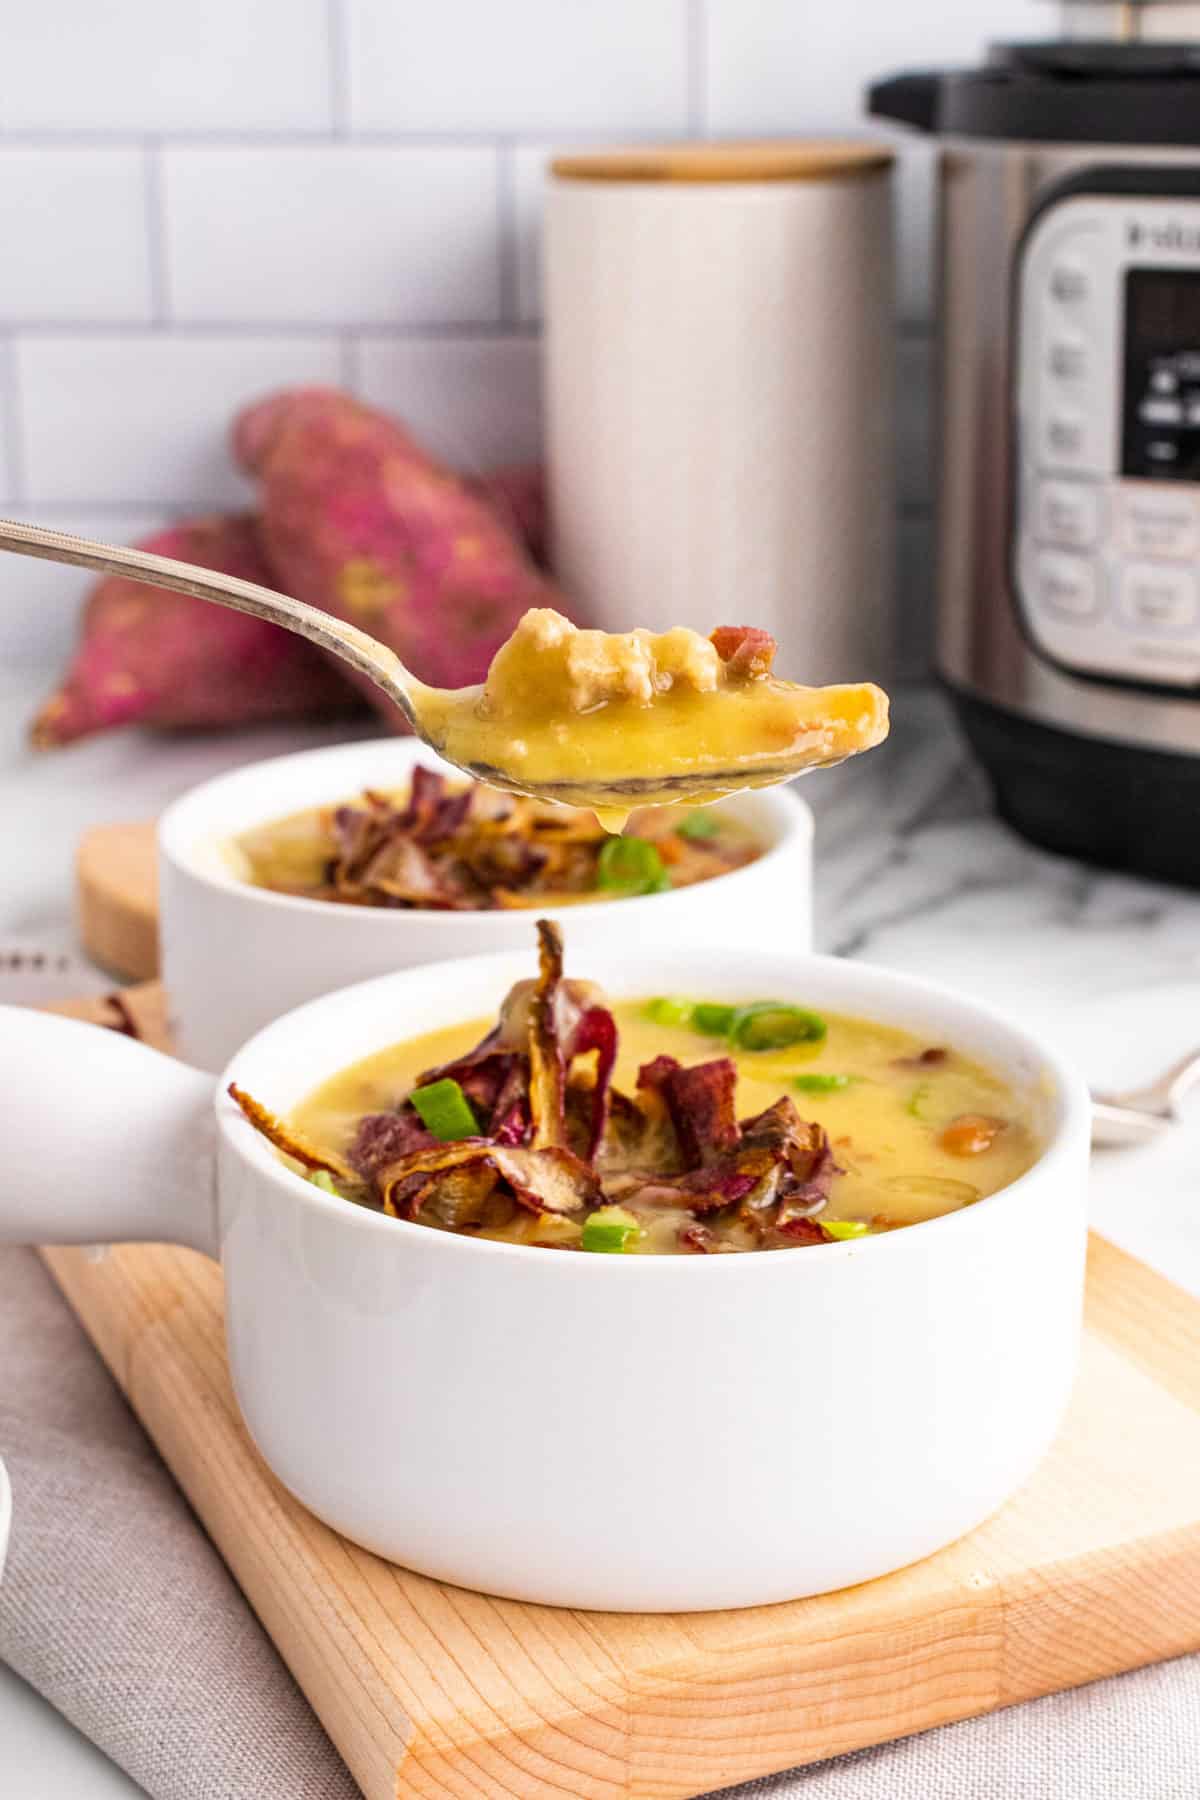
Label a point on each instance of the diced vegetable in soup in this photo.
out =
(467, 847)
(672, 1125)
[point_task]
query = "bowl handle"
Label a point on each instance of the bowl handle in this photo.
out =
(103, 1140)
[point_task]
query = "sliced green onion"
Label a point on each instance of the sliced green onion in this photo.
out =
(822, 1084)
(631, 865)
(699, 825)
(769, 1025)
(321, 1178)
(846, 1228)
(610, 1229)
(713, 1020)
(914, 1106)
(669, 1009)
(445, 1110)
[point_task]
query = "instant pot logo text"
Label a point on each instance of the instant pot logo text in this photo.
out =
(1164, 234)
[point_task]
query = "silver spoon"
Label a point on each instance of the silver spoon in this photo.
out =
(416, 700)
(1141, 1114)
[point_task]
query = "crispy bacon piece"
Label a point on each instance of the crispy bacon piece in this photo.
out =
(700, 1101)
(382, 1138)
(652, 1076)
(746, 651)
(292, 1142)
(804, 1231)
(597, 1030)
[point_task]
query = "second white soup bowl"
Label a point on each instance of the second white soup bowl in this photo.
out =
(236, 956)
(594, 1431)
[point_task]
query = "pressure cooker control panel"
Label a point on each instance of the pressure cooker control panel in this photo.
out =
(1106, 548)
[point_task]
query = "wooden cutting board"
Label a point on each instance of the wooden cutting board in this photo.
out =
(429, 1690)
(116, 898)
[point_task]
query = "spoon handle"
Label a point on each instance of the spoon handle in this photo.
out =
(364, 654)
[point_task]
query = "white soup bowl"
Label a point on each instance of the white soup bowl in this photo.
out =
(630, 1433)
(235, 956)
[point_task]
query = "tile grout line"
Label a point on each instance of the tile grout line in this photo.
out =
(337, 31)
(225, 330)
(508, 253)
(10, 401)
(248, 139)
(350, 363)
(156, 232)
(696, 29)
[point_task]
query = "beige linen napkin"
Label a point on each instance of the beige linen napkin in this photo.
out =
(114, 1604)
(118, 1609)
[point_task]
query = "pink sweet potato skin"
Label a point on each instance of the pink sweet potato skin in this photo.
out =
(518, 494)
(147, 656)
(358, 520)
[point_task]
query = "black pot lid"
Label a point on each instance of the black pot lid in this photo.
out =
(1062, 91)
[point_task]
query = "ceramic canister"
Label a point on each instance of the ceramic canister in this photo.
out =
(719, 393)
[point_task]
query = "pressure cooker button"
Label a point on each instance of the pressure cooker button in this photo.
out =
(1068, 513)
(1068, 282)
(1159, 521)
(1064, 441)
(1067, 585)
(1066, 359)
(1158, 599)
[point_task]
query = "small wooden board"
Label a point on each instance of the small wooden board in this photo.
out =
(428, 1690)
(116, 899)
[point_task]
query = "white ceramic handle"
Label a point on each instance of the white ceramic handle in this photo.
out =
(104, 1140)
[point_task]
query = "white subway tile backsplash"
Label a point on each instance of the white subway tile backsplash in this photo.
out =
(7, 428)
(519, 66)
(783, 66)
(914, 424)
(39, 601)
(144, 419)
(202, 207)
(155, 65)
(530, 166)
(74, 221)
(473, 401)
(330, 234)
(778, 66)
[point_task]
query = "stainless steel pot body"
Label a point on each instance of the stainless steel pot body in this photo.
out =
(990, 195)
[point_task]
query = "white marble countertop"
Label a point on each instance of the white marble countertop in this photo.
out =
(912, 871)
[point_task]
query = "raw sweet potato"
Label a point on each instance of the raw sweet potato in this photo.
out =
(358, 520)
(152, 657)
(518, 493)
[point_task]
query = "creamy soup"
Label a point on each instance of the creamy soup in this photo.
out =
(669, 1125)
(590, 716)
(463, 847)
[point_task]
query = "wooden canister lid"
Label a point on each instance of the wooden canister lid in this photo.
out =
(789, 159)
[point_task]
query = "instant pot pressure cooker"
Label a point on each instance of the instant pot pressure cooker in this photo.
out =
(1069, 491)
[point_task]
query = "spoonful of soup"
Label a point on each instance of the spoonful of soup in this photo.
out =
(590, 718)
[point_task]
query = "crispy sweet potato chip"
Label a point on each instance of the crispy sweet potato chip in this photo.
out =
(285, 1137)
(551, 1180)
(555, 1140)
(470, 848)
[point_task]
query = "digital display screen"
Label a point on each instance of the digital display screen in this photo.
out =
(1161, 425)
